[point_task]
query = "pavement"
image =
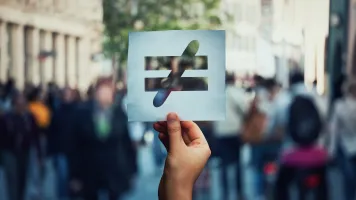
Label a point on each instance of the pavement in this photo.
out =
(147, 182)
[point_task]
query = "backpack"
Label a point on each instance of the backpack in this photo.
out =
(255, 123)
(304, 123)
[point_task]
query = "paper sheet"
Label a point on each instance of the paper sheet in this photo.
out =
(150, 62)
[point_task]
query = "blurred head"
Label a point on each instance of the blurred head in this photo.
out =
(272, 87)
(10, 82)
(104, 92)
(77, 95)
(68, 95)
(349, 88)
(230, 78)
(34, 94)
(19, 102)
(258, 80)
(90, 92)
(296, 77)
(315, 83)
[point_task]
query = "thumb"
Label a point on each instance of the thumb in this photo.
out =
(174, 131)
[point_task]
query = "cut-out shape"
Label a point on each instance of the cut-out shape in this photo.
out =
(174, 81)
(181, 84)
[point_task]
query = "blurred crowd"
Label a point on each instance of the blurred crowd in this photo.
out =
(86, 137)
(293, 135)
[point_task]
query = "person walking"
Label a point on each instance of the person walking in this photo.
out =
(227, 134)
(59, 140)
(101, 154)
(343, 137)
(19, 133)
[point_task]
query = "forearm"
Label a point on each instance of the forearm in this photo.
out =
(172, 190)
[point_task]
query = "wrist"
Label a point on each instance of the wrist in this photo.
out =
(171, 188)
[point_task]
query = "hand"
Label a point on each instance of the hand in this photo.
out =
(188, 152)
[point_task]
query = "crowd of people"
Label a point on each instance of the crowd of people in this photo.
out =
(94, 148)
(291, 128)
(86, 138)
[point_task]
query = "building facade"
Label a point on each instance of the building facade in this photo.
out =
(299, 36)
(50, 40)
(241, 35)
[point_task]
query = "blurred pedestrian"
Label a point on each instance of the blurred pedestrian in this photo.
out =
(343, 132)
(272, 100)
(42, 114)
(59, 140)
(102, 155)
(19, 133)
(53, 96)
(305, 158)
(227, 134)
(38, 107)
(9, 91)
(77, 96)
(136, 130)
(297, 87)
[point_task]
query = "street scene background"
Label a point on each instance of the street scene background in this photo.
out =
(64, 132)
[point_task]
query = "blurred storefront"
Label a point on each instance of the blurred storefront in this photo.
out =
(44, 41)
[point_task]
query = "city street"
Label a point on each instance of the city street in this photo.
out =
(147, 183)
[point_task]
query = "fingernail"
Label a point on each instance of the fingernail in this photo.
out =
(172, 117)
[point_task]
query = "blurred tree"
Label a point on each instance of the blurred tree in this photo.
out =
(123, 16)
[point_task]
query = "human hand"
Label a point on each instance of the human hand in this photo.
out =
(188, 152)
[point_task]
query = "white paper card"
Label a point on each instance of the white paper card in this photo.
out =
(150, 51)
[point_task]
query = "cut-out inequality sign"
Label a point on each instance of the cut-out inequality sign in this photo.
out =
(176, 71)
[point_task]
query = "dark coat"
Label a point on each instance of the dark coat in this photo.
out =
(19, 132)
(110, 162)
(61, 129)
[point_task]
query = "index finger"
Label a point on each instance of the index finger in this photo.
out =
(193, 131)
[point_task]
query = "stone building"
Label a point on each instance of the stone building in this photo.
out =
(50, 40)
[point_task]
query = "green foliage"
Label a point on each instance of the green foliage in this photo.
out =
(120, 17)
